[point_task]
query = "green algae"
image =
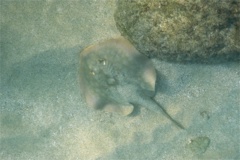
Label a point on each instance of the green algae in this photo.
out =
(182, 30)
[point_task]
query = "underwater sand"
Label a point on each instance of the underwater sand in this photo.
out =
(44, 117)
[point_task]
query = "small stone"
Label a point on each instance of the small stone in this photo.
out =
(199, 145)
(205, 115)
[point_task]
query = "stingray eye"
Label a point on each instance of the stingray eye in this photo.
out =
(92, 73)
(111, 81)
(102, 61)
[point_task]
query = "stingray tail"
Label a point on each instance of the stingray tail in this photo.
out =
(167, 115)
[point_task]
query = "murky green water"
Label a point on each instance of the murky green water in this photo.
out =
(43, 115)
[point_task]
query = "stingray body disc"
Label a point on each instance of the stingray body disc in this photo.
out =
(107, 68)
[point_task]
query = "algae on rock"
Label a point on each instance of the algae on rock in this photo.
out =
(180, 30)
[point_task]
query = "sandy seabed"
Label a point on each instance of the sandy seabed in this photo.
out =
(43, 115)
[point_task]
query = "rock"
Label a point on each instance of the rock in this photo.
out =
(199, 145)
(182, 30)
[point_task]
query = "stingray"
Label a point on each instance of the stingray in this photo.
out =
(115, 77)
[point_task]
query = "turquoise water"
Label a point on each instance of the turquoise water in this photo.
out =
(43, 115)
